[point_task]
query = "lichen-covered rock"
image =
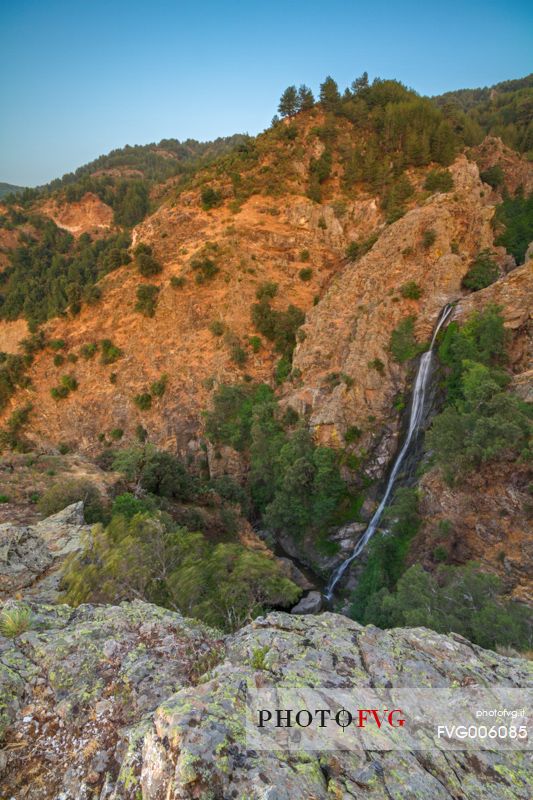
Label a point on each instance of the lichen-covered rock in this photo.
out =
(138, 702)
(31, 556)
(78, 689)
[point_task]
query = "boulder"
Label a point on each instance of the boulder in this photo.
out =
(31, 556)
(310, 604)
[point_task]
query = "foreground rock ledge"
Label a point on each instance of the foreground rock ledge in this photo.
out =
(134, 701)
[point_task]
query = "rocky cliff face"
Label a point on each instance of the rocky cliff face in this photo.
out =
(351, 326)
(131, 701)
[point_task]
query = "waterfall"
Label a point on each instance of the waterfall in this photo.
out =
(415, 419)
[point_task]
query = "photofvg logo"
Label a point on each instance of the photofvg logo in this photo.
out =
(389, 719)
(303, 717)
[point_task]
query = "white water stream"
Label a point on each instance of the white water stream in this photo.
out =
(416, 417)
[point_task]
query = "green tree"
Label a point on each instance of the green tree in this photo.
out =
(289, 103)
(306, 99)
(360, 84)
(148, 265)
(514, 219)
(147, 557)
(211, 198)
(131, 203)
(147, 299)
(403, 344)
(329, 95)
(482, 271)
(460, 599)
(486, 423)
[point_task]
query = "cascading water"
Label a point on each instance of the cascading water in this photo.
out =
(415, 419)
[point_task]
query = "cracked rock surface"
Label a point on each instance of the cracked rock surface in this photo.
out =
(134, 701)
(31, 556)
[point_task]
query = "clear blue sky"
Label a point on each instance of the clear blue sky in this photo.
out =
(80, 77)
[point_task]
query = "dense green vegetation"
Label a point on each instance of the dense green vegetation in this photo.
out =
(148, 556)
(482, 421)
(294, 486)
(439, 181)
(278, 326)
(460, 599)
(11, 436)
(482, 271)
(53, 272)
(484, 424)
(403, 344)
(140, 164)
(61, 495)
(503, 110)
(156, 543)
(515, 217)
(146, 299)
(386, 554)
(9, 189)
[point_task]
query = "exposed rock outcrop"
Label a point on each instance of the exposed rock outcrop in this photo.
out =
(348, 332)
(87, 215)
(31, 556)
(134, 701)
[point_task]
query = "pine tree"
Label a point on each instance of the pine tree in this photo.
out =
(288, 104)
(306, 99)
(360, 83)
(329, 94)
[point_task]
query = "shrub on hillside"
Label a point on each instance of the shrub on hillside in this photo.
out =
(493, 176)
(146, 299)
(403, 344)
(439, 181)
(69, 491)
(482, 272)
(411, 290)
(205, 269)
(159, 387)
(429, 237)
(267, 290)
(109, 353)
(147, 265)
(278, 326)
(88, 350)
(211, 198)
(143, 401)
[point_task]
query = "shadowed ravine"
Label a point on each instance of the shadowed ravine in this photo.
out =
(416, 418)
